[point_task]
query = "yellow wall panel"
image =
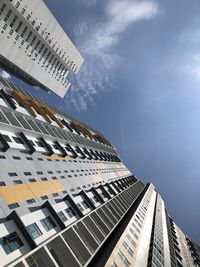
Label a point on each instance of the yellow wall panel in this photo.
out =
(96, 178)
(17, 193)
(100, 166)
(54, 157)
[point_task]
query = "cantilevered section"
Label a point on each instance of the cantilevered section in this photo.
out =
(34, 47)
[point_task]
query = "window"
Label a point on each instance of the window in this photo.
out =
(44, 179)
(32, 180)
(95, 199)
(80, 207)
(128, 249)
(49, 172)
(2, 184)
(39, 173)
(29, 158)
(62, 216)
(123, 258)
(11, 242)
(2, 157)
(27, 173)
(18, 140)
(16, 158)
(70, 212)
(13, 206)
(55, 194)
(44, 197)
(113, 264)
(30, 201)
(12, 174)
(34, 230)
(48, 223)
(131, 240)
(7, 138)
(17, 182)
(85, 204)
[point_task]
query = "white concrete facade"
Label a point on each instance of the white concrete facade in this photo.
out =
(42, 54)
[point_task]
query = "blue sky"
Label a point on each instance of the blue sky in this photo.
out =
(140, 86)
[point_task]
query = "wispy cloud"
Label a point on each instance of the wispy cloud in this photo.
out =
(5, 74)
(97, 44)
(191, 61)
(192, 66)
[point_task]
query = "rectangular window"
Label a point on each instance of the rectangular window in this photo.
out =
(17, 182)
(80, 207)
(123, 259)
(70, 212)
(62, 216)
(113, 264)
(39, 173)
(48, 223)
(34, 230)
(11, 242)
(16, 158)
(27, 173)
(128, 249)
(13, 206)
(18, 140)
(30, 201)
(12, 174)
(32, 180)
(44, 197)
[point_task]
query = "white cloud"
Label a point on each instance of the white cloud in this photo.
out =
(192, 67)
(5, 74)
(190, 64)
(97, 45)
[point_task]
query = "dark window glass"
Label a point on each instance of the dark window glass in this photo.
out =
(16, 158)
(32, 180)
(18, 140)
(39, 173)
(11, 174)
(70, 212)
(34, 230)
(11, 242)
(62, 216)
(27, 173)
(44, 197)
(30, 201)
(13, 206)
(17, 182)
(48, 223)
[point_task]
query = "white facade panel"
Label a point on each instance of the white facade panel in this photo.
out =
(42, 54)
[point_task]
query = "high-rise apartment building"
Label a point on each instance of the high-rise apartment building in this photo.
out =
(66, 199)
(34, 47)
